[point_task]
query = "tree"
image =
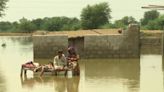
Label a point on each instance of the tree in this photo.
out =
(119, 24)
(54, 24)
(149, 15)
(156, 24)
(38, 23)
(2, 7)
(60, 23)
(95, 16)
(125, 21)
(72, 24)
(161, 22)
(26, 26)
(152, 25)
(5, 26)
(107, 26)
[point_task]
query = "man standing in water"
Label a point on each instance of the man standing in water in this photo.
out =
(72, 59)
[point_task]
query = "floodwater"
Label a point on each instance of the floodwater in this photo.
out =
(97, 75)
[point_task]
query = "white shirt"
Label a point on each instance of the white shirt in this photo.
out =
(60, 61)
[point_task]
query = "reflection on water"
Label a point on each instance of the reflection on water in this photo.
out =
(11, 57)
(151, 74)
(112, 75)
(19, 50)
(25, 40)
(58, 84)
(97, 75)
(2, 83)
(125, 75)
(73, 84)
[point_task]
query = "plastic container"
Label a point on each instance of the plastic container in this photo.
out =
(69, 74)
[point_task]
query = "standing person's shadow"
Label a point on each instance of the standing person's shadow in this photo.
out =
(63, 84)
(60, 84)
(73, 84)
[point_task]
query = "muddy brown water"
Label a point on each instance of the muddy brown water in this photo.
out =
(97, 75)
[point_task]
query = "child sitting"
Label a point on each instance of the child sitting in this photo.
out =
(47, 68)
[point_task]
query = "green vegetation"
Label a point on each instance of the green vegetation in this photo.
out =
(152, 21)
(149, 16)
(92, 17)
(49, 24)
(2, 7)
(122, 23)
(95, 16)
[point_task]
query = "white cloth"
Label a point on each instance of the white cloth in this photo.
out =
(59, 62)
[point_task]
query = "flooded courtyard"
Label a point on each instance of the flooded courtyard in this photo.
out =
(97, 75)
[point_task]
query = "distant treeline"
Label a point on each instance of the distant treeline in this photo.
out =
(92, 17)
(48, 24)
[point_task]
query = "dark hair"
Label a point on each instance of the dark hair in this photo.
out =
(60, 51)
(51, 63)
